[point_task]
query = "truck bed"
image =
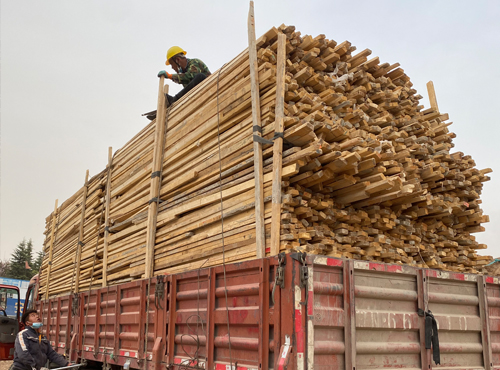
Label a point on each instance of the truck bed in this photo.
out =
(345, 314)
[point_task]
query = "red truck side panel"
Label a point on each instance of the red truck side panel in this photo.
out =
(351, 315)
(492, 292)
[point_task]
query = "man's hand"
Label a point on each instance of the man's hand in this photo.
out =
(44, 368)
(165, 74)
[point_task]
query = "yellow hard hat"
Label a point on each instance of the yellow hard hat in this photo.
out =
(174, 50)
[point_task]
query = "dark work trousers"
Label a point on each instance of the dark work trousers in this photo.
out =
(195, 81)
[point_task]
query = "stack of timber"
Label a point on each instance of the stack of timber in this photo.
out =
(367, 173)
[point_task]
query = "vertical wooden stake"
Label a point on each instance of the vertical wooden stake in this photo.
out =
(432, 96)
(51, 248)
(155, 179)
(260, 235)
(106, 221)
(80, 235)
(278, 146)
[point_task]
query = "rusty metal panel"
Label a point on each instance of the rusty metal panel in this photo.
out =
(189, 316)
(57, 320)
(52, 318)
(346, 315)
(90, 332)
(198, 333)
(108, 319)
(112, 322)
(387, 323)
(485, 323)
(130, 318)
(327, 313)
(493, 301)
(453, 299)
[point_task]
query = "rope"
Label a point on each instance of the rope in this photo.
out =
(194, 360)
(222, 221)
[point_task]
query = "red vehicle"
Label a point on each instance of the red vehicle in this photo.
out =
(292, 311)
(10, 304)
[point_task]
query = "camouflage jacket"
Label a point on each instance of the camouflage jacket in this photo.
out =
(194, 66)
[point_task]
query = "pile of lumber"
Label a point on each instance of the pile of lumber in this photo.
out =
(363, 171)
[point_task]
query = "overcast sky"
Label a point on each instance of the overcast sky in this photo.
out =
(77, 74)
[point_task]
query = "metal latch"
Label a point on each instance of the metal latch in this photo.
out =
(76, 304)
(279, 278)
(159, 291)
(126, 366)
(303, 271)
(304, 277)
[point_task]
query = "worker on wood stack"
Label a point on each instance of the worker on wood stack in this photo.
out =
(190, 72)
(32, 349)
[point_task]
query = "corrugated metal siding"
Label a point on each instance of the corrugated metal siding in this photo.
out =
(493, 300)
(328, 311)
(352, 315)
(455, 305)
(387, 324)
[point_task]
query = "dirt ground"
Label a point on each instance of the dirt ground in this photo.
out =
(4, 365)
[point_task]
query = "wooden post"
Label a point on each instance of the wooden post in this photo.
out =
(80, 235)
(51, 247)
(155, 179)
(432, 96)
(278, 146)
(106, 221)
(260, 235)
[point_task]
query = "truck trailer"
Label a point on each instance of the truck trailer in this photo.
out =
(291, 311)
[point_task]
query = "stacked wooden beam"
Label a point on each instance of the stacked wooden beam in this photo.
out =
(76, 228)
(366, 173)
(385, 186)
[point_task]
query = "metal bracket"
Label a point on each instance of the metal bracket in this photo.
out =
(279, 278)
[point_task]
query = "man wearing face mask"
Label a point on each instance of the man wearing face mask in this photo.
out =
(32, 349)
(190, 72)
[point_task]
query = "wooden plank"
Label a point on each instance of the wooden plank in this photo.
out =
(372, 176)
(106, 218)
(278, 146)
(432, 96)
(156, 180)
(257, 147)
(52, 236)
(80, 235)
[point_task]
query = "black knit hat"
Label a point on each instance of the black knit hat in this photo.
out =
(26, 313)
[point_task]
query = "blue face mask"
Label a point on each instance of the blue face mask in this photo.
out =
(37, 325)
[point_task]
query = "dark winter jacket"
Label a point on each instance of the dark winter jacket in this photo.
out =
(33, 350)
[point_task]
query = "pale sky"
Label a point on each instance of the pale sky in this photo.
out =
(77, 74)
